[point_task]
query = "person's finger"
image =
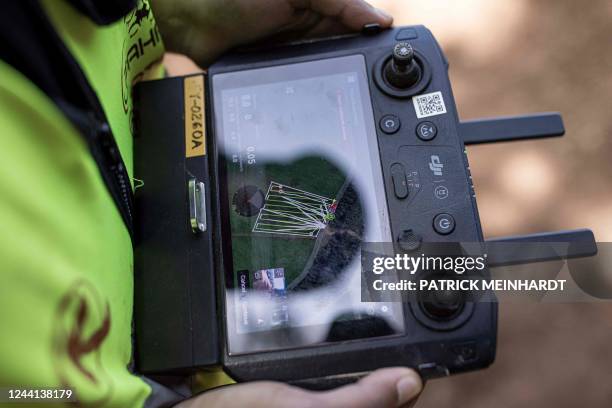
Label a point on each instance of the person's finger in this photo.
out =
(318, 18)
(259, 394)
(353, 14)
(312, 25)
(389, 387)
(327, 26)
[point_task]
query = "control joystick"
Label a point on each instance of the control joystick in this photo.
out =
(443, 305)
(402, 70)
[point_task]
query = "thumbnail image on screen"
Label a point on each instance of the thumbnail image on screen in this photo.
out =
(301, 189)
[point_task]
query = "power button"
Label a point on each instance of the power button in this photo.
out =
(444, 224)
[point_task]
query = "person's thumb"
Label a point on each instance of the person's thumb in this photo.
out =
(386, 388)
(389, 387)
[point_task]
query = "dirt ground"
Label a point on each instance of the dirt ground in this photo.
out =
(519, 56)
(512, 57)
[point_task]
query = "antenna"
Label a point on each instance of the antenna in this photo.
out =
(540, 247)
(511, 128)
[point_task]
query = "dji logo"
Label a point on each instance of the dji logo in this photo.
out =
(435, 165)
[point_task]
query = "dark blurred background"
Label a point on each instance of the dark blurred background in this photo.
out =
(518, 56)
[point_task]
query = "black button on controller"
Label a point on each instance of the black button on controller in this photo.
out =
(426, 131)
(400, 184)
(444, 224)
(390, 124)
(408, 240)
(371, 29)
(406, 34)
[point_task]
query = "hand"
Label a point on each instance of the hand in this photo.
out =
(385, 388)
(203, 29)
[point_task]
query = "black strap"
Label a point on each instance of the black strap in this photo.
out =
(31, 45)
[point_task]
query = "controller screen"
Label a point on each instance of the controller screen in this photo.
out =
(301, 188)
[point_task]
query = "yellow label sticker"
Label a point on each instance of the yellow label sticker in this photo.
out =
(195, 122)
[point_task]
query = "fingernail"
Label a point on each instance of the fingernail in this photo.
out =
(384, 14)
(408, 387)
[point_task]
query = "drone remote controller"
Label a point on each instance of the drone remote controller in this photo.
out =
(261, 180)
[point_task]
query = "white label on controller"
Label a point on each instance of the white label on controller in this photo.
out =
(430, 104)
